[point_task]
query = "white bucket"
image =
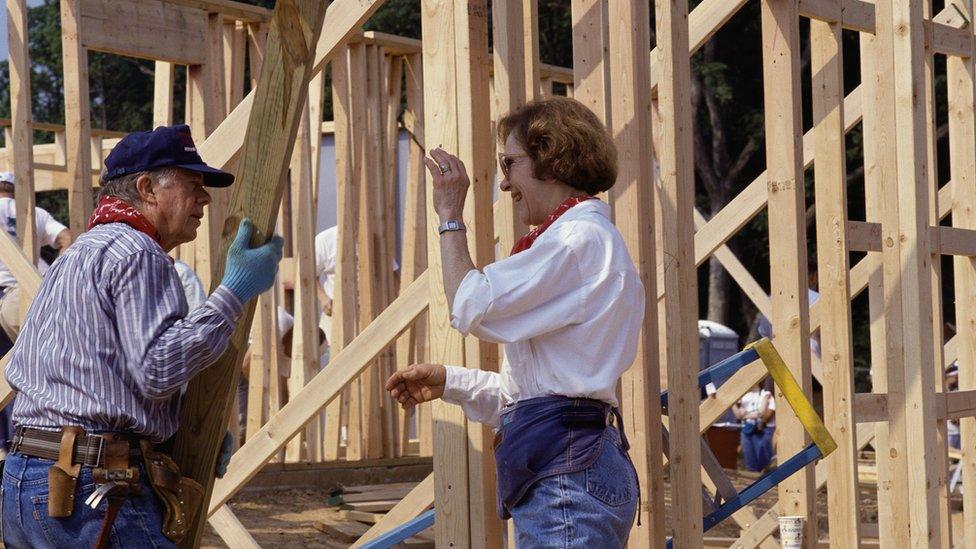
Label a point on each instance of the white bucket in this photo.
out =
(791, 532)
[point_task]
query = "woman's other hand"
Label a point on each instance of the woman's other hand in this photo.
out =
(417, 383)
(450, 184)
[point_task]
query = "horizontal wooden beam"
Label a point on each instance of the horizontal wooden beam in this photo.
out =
(863, 236)
(148, 29)
(946, 35)
(237, 11)
(873, 407)
(351, 361)
(952, 241)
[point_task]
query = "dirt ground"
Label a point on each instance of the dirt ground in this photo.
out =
(280, 518)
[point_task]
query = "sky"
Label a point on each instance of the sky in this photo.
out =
(3, 27)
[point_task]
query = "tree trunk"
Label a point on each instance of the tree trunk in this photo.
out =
(718, 277)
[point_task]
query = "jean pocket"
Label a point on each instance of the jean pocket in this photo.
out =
(65, 532)
(611, 479)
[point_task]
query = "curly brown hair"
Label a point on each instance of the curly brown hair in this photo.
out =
(565, 141)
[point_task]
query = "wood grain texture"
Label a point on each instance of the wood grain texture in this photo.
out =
(268, 142)
(677, 196)
(632, 198)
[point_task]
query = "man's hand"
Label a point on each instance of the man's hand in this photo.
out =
(251, 271)
(417, 383)
(327, 306)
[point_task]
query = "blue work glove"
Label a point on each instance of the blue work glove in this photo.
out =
(251, 271)
(223, 458)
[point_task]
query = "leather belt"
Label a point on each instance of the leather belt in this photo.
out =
(88, 449)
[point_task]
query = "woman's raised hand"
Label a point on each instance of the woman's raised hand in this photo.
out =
(417, 383)
(450, 183)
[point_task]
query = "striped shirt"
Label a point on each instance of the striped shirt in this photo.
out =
(107, 343)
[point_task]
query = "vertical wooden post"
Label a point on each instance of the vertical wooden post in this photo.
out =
(344, 294)
(453, 521)
(474, 142)
(508, 28)
(530, 26)
(393, 415)
(676, 161)
(163, 94)
(961, 76)
(887, 373)
(836, 339)
(305, 338)
(21, 147)
(358, 134)
(266, 149)
(259, 380)
(414, 256)
(787, 237)
(373, 264)
(629, 41)
(208, 105)
(908, 204)
(590, 63)
(316, 95)
(77, 116)
(235, 36)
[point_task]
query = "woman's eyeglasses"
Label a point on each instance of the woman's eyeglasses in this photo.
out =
(505, 162)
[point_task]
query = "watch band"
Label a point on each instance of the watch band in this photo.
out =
(451, 225)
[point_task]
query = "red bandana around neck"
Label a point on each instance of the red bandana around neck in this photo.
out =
(526, 241)
(112, 209)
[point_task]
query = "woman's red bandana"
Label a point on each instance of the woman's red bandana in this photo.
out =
(112, 209)
(526, 241)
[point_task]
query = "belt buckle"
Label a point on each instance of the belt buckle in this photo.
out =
(18, 440)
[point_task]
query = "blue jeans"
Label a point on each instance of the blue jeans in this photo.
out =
(757, 448)
(591, 508)
(27, 524)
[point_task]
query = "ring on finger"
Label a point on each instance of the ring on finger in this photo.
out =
(445, 168)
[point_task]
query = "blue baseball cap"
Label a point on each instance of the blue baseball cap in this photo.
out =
(164, 147)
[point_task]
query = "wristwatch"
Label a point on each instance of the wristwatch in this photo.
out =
(451, 225)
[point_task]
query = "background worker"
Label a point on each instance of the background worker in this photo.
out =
(107, 347)
(756, 410)
(49, 232)
(568, 306)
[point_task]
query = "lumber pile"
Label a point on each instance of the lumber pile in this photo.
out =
(355, 509)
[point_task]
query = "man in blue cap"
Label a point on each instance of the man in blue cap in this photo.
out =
(105, 349)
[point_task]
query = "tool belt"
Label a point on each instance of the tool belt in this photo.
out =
(115, 458)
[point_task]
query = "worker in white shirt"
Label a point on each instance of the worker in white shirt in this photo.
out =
(568, 306)
(50, 232)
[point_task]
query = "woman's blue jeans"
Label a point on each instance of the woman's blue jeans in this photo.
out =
(27, 524)
(591, 508)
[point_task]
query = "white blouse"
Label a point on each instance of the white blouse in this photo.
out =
(568, 310)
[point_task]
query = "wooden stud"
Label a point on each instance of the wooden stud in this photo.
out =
(163, 94)
(836, 339)
(452, 522)
(787, 240)
(305, 337)
(590, 63)
(161, 31)
(414, 255)
(886, 374)
(344, 294)
(21, 146)
(267, 147)
(676, 163)
(961, 83)
(508, 28)
(231, 530)
(235, 38)
(909, 200)
(77, 116)
(474, 146)
(632, 198)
